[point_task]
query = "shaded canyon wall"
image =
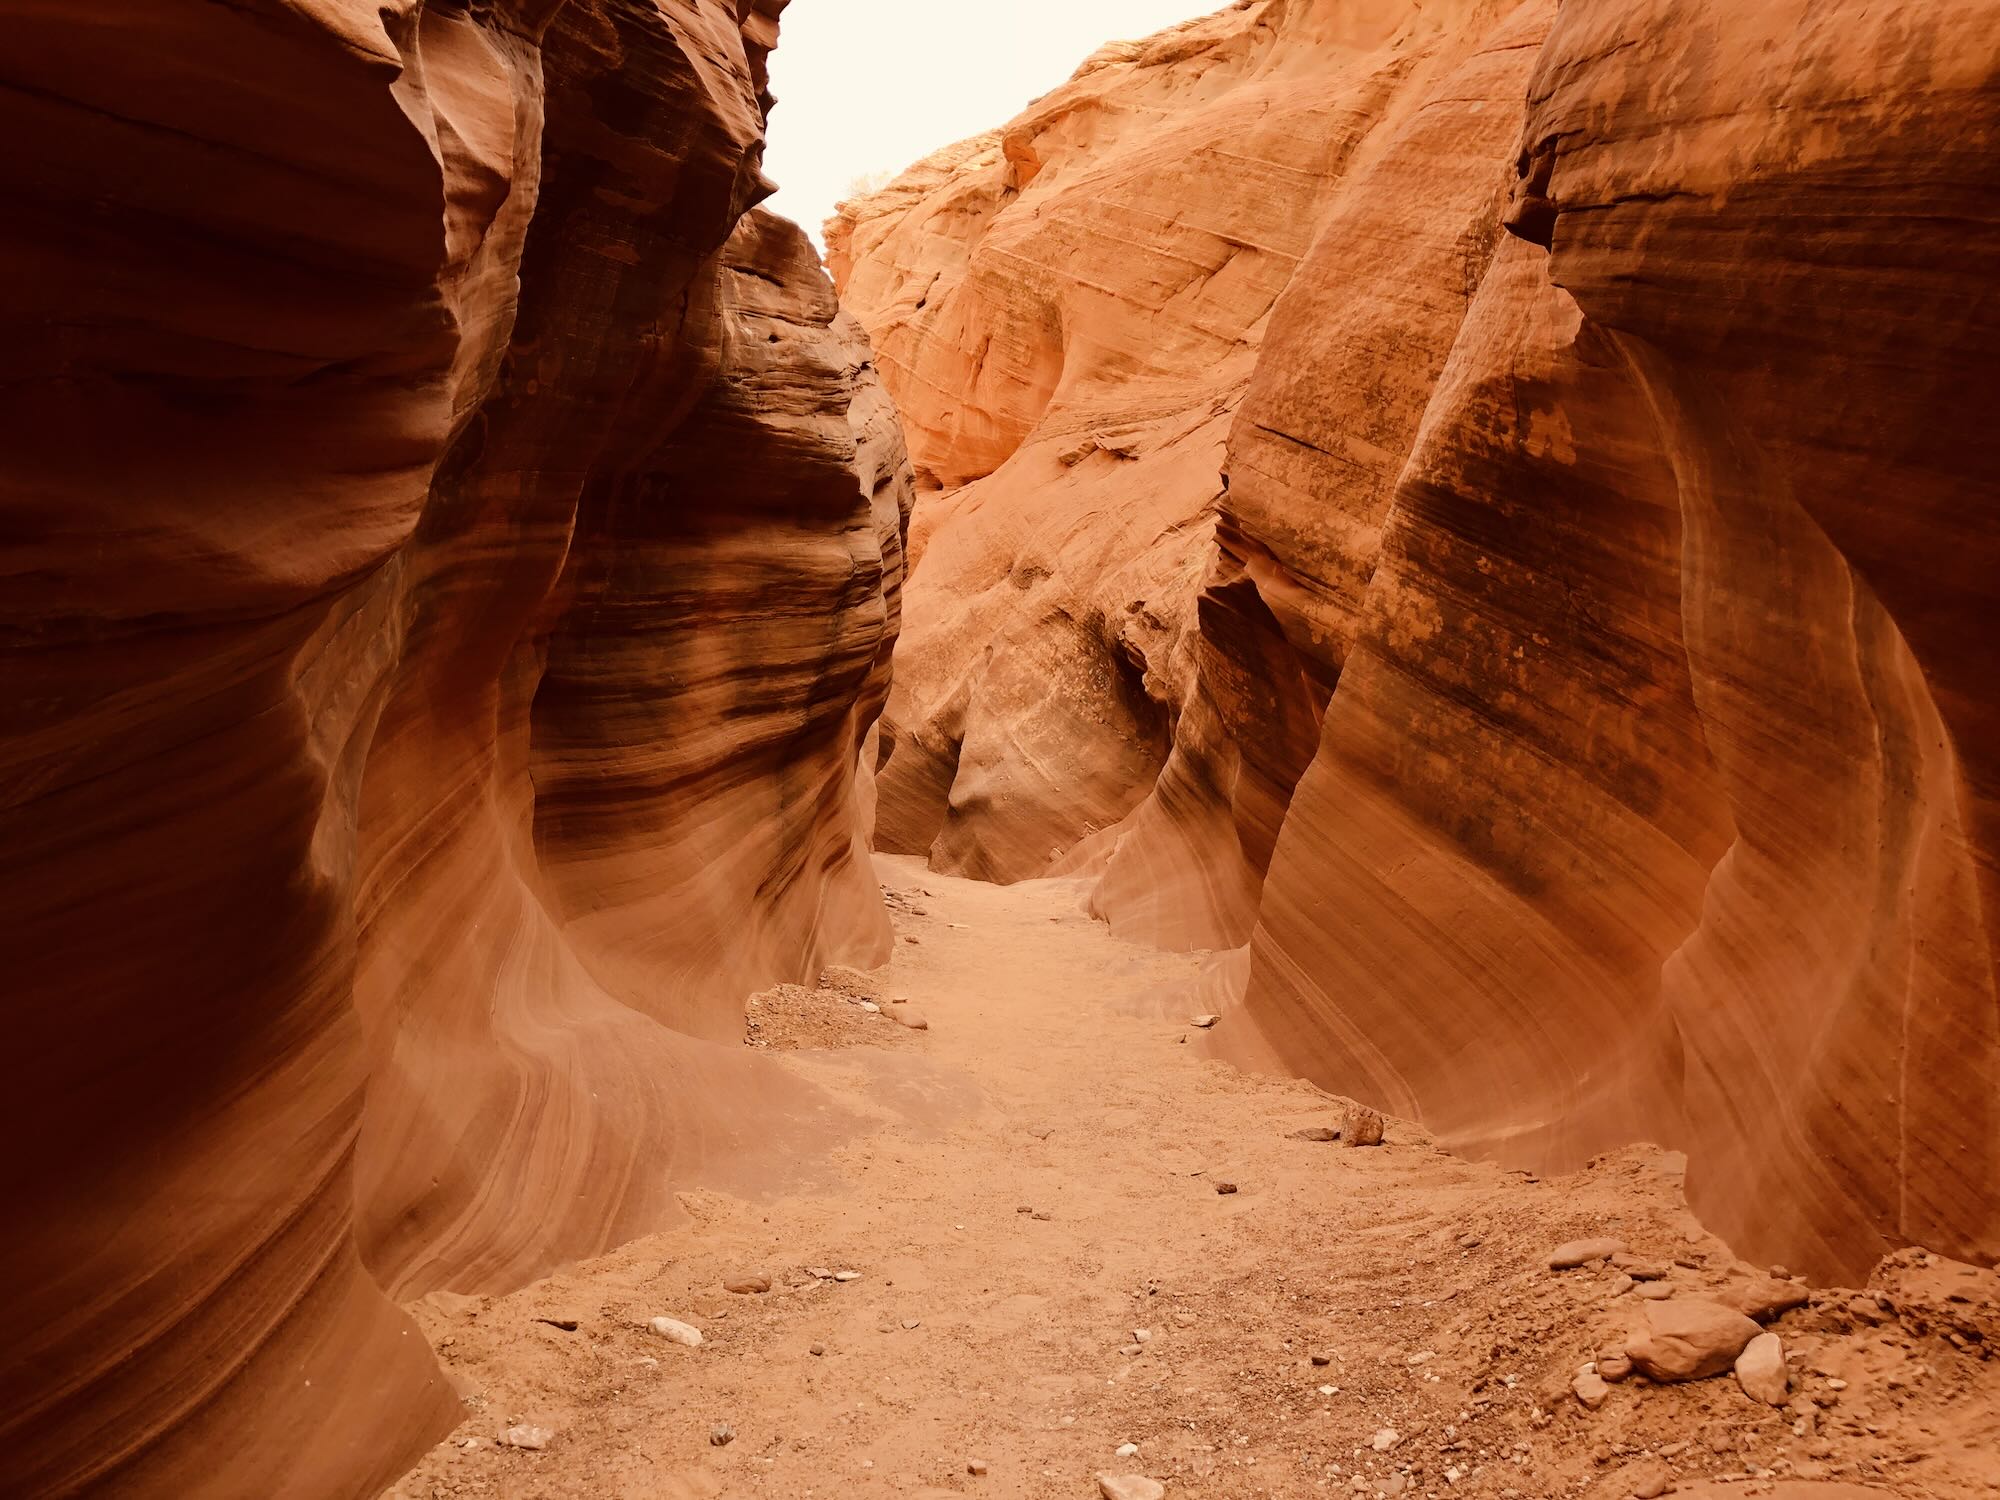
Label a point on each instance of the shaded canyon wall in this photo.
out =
(452, 554)
(1571, 709)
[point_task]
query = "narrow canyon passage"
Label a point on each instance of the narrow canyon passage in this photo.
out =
(1043, 1267)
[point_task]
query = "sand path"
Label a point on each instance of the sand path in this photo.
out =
(1040, 1183)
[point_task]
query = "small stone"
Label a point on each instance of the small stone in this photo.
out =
(1321, 1356)
(846, 1275)
(1760, 1370)
(1582, 1252)
(819, 1271)
(1142, 1335)
(1385, 1439)
(816, 1350)
(745, 1286)
(1614, 1367)
(1653, 1291)
(527, 1436)
(913, 1322)
(1469, 1242)
(1689, 1339)
(1204, 1022)
(1133, 1349)
(1125, 1450)
(1225, 1188)
(1646, 1482)
(1042, 1215)
(1391, 1485)
(1591, 1390)
(871, 1007)
(1316, 1133)
(913, 1019)
(1621, 1284)
(721, 1435)
(1361, 1126)
(1130, 1487)
(975, 1466)
(677, 1331)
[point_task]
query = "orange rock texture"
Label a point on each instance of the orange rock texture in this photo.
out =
(453, 549)
(1571, 706)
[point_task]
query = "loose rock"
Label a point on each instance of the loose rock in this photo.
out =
(1225, 1188)
(721, 1435)
(1316, 1133)
(1591, 1390)
(1385, 1439)
(1764, 1297)
(745, 1286)
(975, 1466)
(908, 1016)
(1204, 1022)
(1760, 1370)
(1582, 1252)
(1130, 1487)
(527, 1436)
(1689, 1339)
(1361, 1126)
(677, 1331)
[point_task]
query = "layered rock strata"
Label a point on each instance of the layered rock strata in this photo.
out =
(1583, 720)
(453, 557)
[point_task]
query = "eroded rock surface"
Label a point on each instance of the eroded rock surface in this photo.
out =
(1578, 703)
(452, 568)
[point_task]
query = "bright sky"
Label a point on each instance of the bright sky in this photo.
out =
(869, 86)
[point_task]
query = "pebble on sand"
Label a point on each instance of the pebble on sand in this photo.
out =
(721, 1435)
(677, 1331)
(1204, 1022)
(976, 1466)
(1225, 1188)
(906, 1016)
(744, 1286)
(1130, 1487)
(527, 1436)
(1316, 1133)
(1591, 1390)
(1385, 1439)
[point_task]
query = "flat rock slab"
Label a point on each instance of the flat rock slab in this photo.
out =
(1130, 1487)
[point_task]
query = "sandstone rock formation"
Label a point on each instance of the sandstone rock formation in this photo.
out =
(1583, 716)
(453, 556)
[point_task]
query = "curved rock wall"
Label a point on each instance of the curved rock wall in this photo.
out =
(403, 444)
(1585, 712)
(1068, 312)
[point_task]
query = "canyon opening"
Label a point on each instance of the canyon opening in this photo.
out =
(1280, 777)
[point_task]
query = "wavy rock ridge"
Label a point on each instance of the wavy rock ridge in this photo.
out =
(453, 557)
(1574, 716)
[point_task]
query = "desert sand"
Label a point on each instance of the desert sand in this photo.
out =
(1037, 1188)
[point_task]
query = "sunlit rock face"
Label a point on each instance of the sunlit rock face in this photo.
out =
(455, 551)
(1577, 704)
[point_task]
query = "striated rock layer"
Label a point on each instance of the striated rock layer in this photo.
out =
(452, 560)
(1585, 719)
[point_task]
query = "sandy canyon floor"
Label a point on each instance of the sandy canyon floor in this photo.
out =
(1047, 1272)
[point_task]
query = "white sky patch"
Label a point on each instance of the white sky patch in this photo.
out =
(866, 87)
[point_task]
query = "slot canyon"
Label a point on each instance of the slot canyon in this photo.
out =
(1283, 781)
